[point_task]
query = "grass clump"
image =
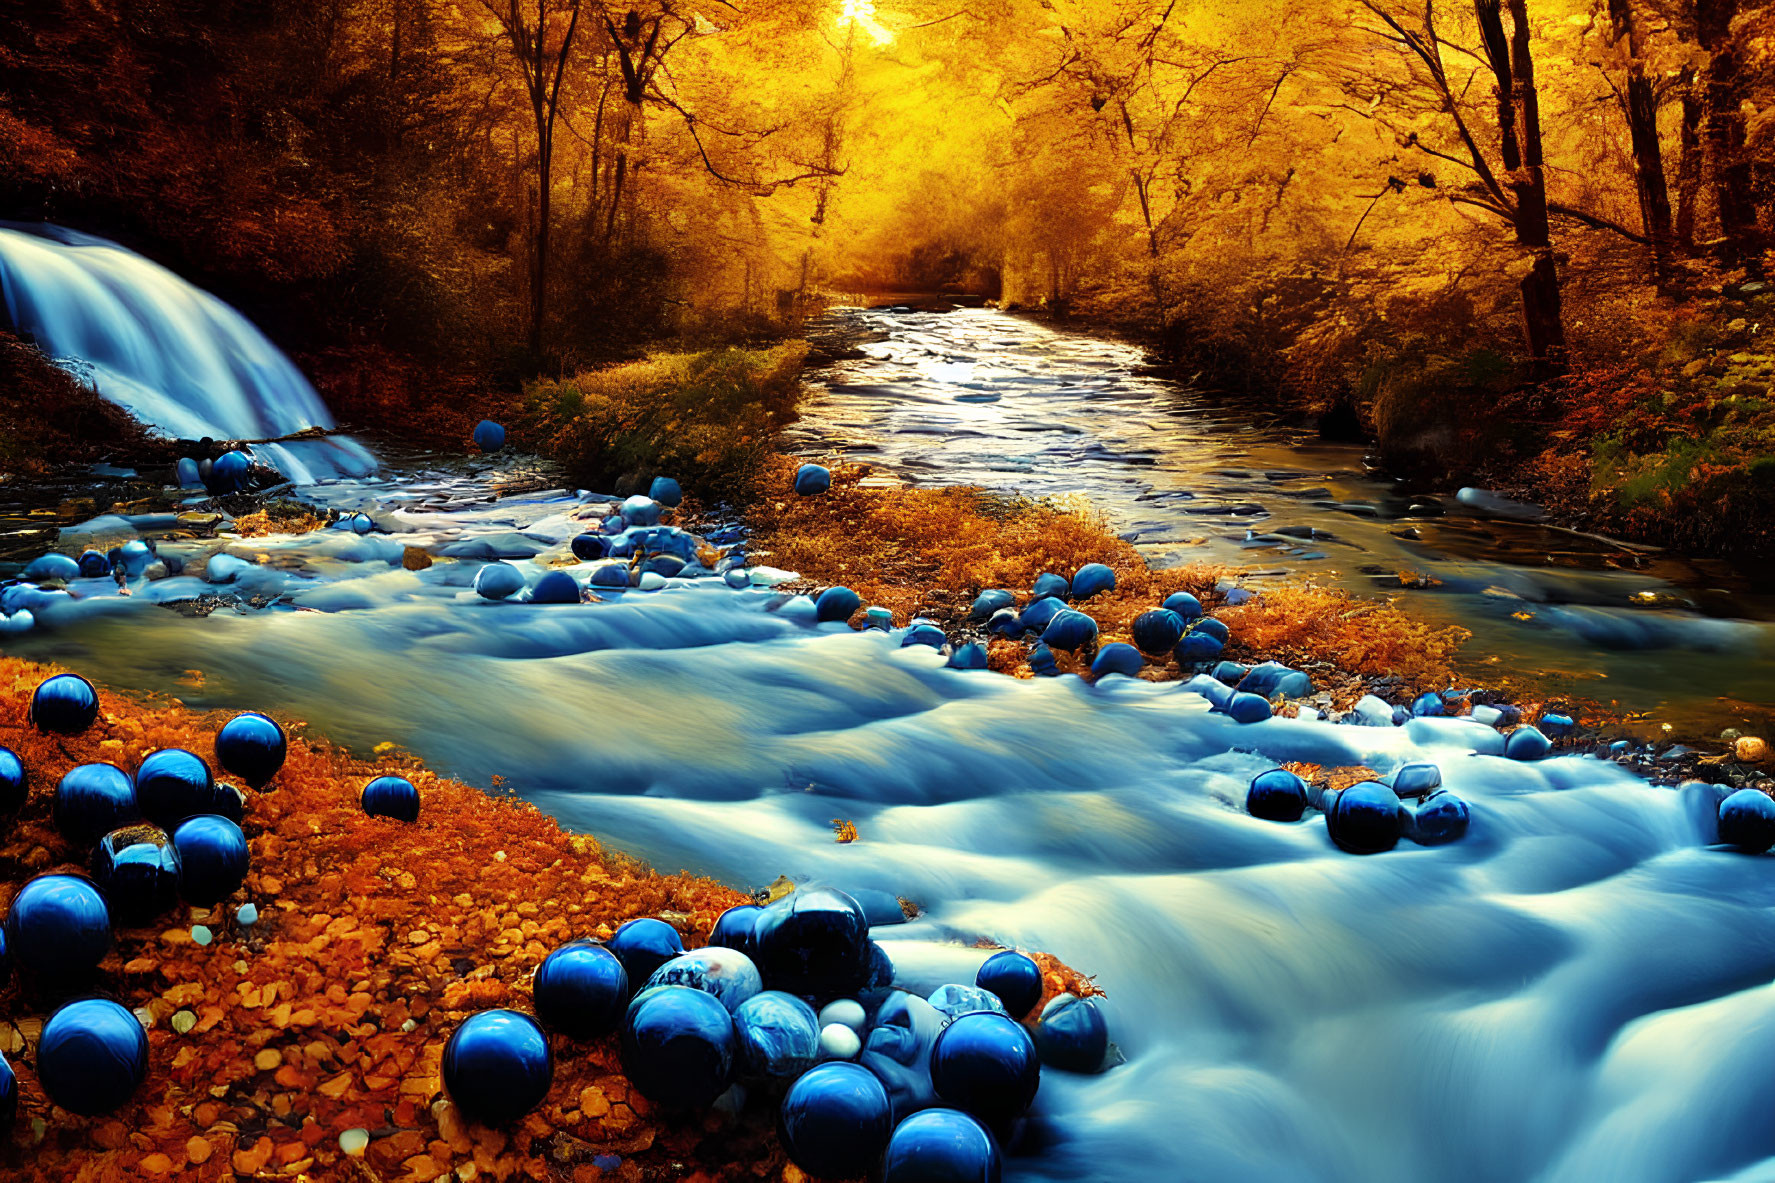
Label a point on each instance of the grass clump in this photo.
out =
(709, 419)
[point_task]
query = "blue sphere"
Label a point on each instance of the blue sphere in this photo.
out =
(589, 548)
(986, 1064)
(1428, 703)
(1248, 708)
(92, 800)
(815, 941)
(666, 491)
(231, 472)
(1072, 1035)
(1277, 795)
(942, 1146)
(94, 565)
(835, 1121)
(1556, 726)
(924, 634)
(678, 1046)
(1116, 658)
(1443, 818)
(1069, 630)
(252, 747)
(391, 796)
(1015, 978)
(971, 656)
(66, 704)
(92, 1056)
(498, 581)
(811, 480)
(1050, 584)
(213, 859)
(1747, 821)
(728, 974)
(1186, 606)
(1092, 579)
(58, 928)
(8, 1095)
(173, 784)
(838, 603)
(489, 436)
(1365, 818)
(15, 785)
(733, 928)
(1526, 743)
(1199, 646)
(643, 945)
(1040, 611)
(993, 599)
(557, 587)
(1005, 623)
(137, 867)
(580, 990)
(497, 1066)
(1157, 632)
(778, 1035)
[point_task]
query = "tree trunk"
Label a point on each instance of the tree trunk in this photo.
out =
(1740, 241)
(1688, 165)
(1641, 109)
(539, 286)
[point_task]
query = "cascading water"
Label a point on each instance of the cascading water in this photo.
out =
(176, 357)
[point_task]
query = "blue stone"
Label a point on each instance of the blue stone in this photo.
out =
(52, 566)
(588, 548)
(66, 704)
(212, 859)
(230, 473)
(186, 473)
(1042, 662)
(1092, 579)
(971, 656)
(1365, 818)
(1116, 658)
(1072, 1035)
(955, 1000)
(811, 480)
(1415, 780)
(94, 565)
(993, 599)
(1005, 623)
(1050, 584)
(837, 603)
(1157, 632)
(898, 1050)
(227, 801)
(986, 1065)
(137, 867)
(1443, 818)
(665, 566)
(1186, 606)
(1198, 647)
(92, 800)
(1277, 795)
(1526, 743)
(737, 578)
(665, 490)
(498, 581)
(252, 747)
(1218, 693)
(1015, 978)
(1747, 821)
(1039, 612)
(1272, 679)
(678, 1046)
(924, 634)
(942, 1146)
(489, 436)
(836, 1120)
(581, 990)
(728, 974)
(558, 587)
(92, 1056)
(134, 557)
(815, 941)
(1230, 672)
(173, 784)
(641, 511)
(612, 575)
(15, 785)
(778, 1035)
(58, 928)
(1214, 628)
(391, 796)
(1248, 708)
(497, 1066)
(643, 945)
(733, 928)
(613, 524)
(1556, 726)
(1069, 630)
(8, 1096)
(362, 524)
(1428, 703)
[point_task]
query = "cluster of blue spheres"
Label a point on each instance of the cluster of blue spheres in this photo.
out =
(1369, 817)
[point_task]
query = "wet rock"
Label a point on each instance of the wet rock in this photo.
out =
(558, 587)
(811, 480)
(1248, 708)
(497, 1067)
(971, 656)
(924, 634)
(777, 1034)
(836, 1120)
(838, 604)
(665, 490)
(1050, 584)
(941, 1146)
(1526, 743)
(728, 974)
(392, 797)
(1272, 679)
(58, 929)
(1014, 978)
(643, 945)
(213, 859)
(1440, 819)
(92, 800)
(581, 990)
(1187, 606)
(1039, 612)
(986, 1065)
(1157, 632)
(814, 941)
(498, 581)
(1365, 818)
(1747, 821)
(1072, 1035)
(1277, 795)
(678, 1046)
(1416, 780)
(65, 703)
(1092, 579)
(1070, 630)
(1116, 658)
(989, 603)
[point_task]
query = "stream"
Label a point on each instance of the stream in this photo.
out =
(1577, 990)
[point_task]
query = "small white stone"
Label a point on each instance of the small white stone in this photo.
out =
(144, 1016)
(499, 856)
(354, 1142)
(410, 1025)
(183, 1021)
(838, 1042)
(845, 1012)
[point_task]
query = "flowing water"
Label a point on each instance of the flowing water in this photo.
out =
(1579, 990)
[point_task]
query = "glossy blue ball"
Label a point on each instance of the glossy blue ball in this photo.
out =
(1069, 630)
(1365, 818)
(1185, 605)
(814, 941)
(498, 581)
(778, 1035)
(252, 747)
(228, 801)
(213, 859)
(231, 472)
(173, 784)
(94, 565)
(1277, 795)
(1117, 658)
(993, 599)
(137, 867)
(497, 1066)
(8, 1095)
(589, 548)
(581, 990)
(15, 784)
(986, 1064)
(1072, 1035)
(92, 1056)
(557, 587)
(92, 800)
(971, 656)
(58, 928)
(489, 436)
(1039, 612)
(1092, 579)
(811, 480)
(1747, 821)
(733, 928)
(836, 1120)
(1050, 584)
(1248, 708)
(1442, 818)
(1526, 743)
(1199, 646)
(838, 603)
(678, 1046)
(1015, 978)
(924, 634)
(942, 1146)
(1157, 632)
(643, 945)
(66, 704)
(391, 796)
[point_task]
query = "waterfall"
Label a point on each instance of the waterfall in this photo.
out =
(176, 357)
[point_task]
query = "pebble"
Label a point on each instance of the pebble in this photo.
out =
(183, 1021)
(354, 1142)
(1751, 749)
(845, 1011)
(247, 915)
(201, 934)
(839, 1042)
